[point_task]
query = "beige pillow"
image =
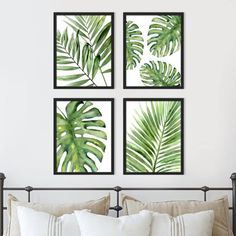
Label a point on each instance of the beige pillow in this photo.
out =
(100, 206)
(175, 208)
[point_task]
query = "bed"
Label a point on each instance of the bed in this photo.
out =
(118, 190)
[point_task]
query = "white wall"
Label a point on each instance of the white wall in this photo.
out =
(26, 75)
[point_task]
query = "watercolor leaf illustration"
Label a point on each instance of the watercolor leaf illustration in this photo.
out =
(96, 49)
(164, 35)
(79, 135)
(76, 62)
(154, 141)
(134, 45)
(160, 74)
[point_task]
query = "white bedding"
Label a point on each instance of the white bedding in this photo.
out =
(85, 223)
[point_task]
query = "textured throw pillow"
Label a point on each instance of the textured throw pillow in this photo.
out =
(96, 225)
(220, 207)
(100, 206)
(195, 224)
(36, 223)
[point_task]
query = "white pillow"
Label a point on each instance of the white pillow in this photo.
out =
(196, 224)
(97, 225)
(36, 223)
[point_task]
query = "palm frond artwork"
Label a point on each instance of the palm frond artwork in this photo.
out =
(81, 136)
(84, 52)
(154, 137)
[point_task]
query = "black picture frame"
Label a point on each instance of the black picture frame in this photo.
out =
(56, 14)
(125, 100)
(125, 14)
(55, 100)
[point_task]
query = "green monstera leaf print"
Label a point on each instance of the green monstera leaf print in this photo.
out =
(80, 134)
(134, 45)
(160, 74)
(164, 35)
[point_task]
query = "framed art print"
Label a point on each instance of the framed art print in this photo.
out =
(83, 50)
(83, 136)
(154, 50)
(153, 136)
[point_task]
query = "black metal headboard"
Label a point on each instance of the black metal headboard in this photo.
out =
(117, 190)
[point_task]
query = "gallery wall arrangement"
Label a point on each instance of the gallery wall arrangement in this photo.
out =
(153, 58)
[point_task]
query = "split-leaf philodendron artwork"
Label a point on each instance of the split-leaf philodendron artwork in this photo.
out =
(153, 50)
(83, 136)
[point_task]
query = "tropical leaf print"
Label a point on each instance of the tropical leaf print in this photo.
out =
(134, 45)
(80, 135)
(159, 74)
(164, 35)
(85, 55)
(154, 140)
